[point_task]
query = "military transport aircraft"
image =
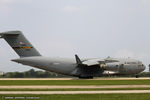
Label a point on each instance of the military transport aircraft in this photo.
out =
(82, 68)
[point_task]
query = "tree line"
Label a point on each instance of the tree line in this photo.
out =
(46, 74)
(32, 74)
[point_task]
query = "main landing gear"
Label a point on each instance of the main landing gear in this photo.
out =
(137, 76)
(88, 77)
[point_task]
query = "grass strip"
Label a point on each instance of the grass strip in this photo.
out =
(75, 82)
(141, 96)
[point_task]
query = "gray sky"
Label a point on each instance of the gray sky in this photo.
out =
(90, 28)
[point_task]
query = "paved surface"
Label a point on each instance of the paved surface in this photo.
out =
(75, 92)
(107, 78)
(65, 87)
(73, 86)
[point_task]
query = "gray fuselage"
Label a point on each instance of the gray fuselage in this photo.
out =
(69, 66)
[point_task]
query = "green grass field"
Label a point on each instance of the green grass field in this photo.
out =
(83, 97)
(140, 96)
(74, 82)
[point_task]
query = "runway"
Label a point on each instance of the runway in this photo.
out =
(103, 78)
(75, 92)
(74, 87)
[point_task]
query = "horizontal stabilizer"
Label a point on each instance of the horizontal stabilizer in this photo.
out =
(10, 33)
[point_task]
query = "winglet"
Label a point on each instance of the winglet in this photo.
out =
(78, 60)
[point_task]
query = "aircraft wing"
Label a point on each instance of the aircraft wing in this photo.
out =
(90, 62)
(90, 67)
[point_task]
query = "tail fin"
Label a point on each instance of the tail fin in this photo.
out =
(19, 43)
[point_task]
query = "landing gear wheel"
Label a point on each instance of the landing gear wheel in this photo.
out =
(137, 76)
(89, 77)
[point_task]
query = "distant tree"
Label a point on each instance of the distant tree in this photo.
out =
(32, 74)
(18, 75)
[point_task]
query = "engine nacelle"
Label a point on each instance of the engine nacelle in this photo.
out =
(110, 66)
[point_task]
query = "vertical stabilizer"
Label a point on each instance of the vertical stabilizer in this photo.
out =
(19, 43)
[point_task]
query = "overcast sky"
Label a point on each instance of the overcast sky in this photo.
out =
(89, 28)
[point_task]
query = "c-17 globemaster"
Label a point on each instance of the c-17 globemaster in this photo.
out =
(82, 68)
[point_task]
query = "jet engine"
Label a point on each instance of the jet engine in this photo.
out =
(111, 66)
